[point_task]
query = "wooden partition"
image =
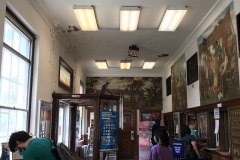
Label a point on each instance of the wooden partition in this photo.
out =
(75, 100)
(229, 130)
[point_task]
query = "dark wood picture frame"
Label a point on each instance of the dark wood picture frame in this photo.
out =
(192, 69)
(65, 79)
(238, 31)
(168, 86)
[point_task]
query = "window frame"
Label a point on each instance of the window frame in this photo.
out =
(12, 18)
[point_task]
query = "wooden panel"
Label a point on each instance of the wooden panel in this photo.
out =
(211, 135)
(234, 117)
(218, 157)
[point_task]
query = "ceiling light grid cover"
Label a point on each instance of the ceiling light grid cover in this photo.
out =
(129, 17)
(86, 17)
(172, 19)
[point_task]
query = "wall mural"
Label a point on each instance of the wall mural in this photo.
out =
(179, 86)
(218, 69)
(146, 91)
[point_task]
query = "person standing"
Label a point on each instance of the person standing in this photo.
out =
(29, 148)
(161, 151)
(190, 143)
(192, 125)
(156, 125)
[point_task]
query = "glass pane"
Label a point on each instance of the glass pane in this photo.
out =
(16, 40)
(11, 121)
(8, 34)
(4, 122)
(16, 72)
(21, 120)
(4, 90)
(6, 63)
(23, 70)
(25, 47)
(21, 98)
(13, 95)
(60, 125)
(22, 73)
(14, 69)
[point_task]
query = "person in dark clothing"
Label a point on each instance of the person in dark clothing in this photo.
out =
(157, 125)
(190, 142)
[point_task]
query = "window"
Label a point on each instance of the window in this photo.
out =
(15, 77)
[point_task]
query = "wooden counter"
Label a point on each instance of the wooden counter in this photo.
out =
(214, 154)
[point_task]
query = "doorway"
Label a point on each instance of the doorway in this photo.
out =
(127, 140)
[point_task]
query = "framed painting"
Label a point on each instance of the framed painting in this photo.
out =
(65, 79)
(45, 119)
(203, 125)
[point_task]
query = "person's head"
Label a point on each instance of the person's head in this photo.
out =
(18, 140)
(192, 123)
(185, 130)
(157, 121)
(161, 137)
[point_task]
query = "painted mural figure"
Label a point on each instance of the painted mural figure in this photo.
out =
(105, 89)
(223, 68)
(218, 45)
(217, 54)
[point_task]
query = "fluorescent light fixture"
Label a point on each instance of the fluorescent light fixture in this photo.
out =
(125, 64)
(129, 17)
(148, 64)
(172, 19)
(86, 18)
(101, 64)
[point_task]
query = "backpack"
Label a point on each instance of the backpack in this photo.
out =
(188, 150)
(62, 152)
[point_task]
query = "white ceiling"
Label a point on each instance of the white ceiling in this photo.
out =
(112, 45)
